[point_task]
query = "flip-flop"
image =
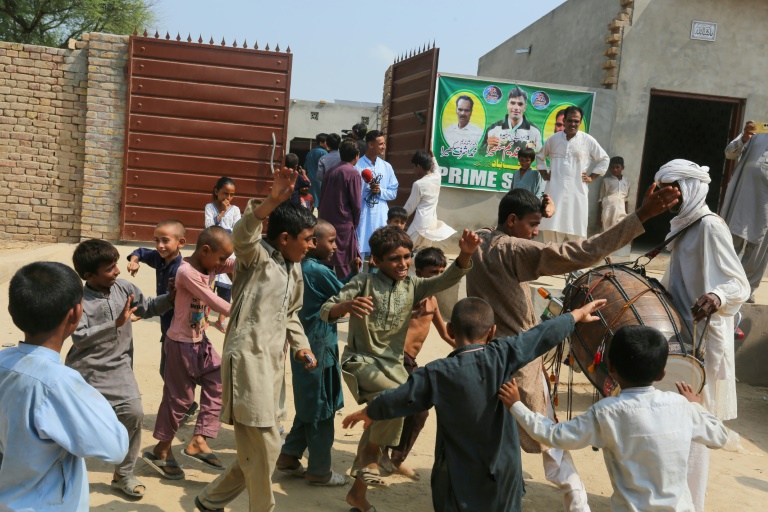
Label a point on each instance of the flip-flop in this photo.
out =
(159, 465)
(203, 508)
(221, 326)
(369, 478)
(297, 471)
(335, 480)
(205, 459)
(128, 484)
(355, 509)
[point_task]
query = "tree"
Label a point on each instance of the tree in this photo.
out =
(54, 22)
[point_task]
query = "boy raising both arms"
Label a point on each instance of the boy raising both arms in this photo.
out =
(381, 305)
(317, 394)
(645, 433)
(477, 452)
(429, 262)
(51, 417)
(102, 344)
(267, 296)
(190, 358)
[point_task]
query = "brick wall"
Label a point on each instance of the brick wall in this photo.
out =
(62, 121)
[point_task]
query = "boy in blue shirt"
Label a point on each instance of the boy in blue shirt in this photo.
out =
(317, 394)
(51, 418)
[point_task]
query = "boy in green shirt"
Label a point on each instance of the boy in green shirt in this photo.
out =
(380, 305)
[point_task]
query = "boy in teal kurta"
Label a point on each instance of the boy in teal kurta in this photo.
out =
(381, 305)
(317, 394)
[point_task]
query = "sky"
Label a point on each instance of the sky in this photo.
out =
(341, 50)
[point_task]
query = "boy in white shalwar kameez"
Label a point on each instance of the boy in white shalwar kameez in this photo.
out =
(645, 434)
(425, 229)
(704, 277)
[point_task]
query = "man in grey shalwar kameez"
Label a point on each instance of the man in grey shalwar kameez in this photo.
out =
(745, 208)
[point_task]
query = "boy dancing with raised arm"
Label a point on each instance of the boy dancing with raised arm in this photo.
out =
(477, 452)
(381, 306)
(267, 296)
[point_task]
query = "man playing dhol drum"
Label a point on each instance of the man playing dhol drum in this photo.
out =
(706, 280)
(506, 260)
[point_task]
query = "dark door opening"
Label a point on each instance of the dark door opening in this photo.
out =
(692, 127)
(300, 146)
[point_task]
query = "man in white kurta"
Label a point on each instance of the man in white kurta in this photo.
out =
(704, 277)
(745, 207)
(570, 153)
(373, 213)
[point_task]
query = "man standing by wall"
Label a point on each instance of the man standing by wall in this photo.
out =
(514, 127)
(463, 130)
(310, 165)
(745, 208)
(570, 152)
(375, 194)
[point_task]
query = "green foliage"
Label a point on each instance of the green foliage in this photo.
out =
(53, 22)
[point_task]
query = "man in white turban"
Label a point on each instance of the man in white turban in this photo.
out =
(705, 278)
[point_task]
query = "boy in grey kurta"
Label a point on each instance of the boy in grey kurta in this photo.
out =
(381, 305)
(102, 345)
(267, 296)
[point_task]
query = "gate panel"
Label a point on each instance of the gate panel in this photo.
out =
(195, 113)
(410, 114)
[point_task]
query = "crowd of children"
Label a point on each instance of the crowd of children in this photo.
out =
(280, 287)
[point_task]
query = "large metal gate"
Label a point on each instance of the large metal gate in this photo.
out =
(409, 113)
(197, 112)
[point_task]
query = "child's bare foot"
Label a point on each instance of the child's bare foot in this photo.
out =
(356, 497)
(290, 465)
(199, 450)
(407, 472)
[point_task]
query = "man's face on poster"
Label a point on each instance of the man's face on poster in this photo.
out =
(516, 108)
(464, 112)
(559, 123)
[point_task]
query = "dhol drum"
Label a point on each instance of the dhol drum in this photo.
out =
(633, 299)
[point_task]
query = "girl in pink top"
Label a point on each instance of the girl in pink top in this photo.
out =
(190, 357)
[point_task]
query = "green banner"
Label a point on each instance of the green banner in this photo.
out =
(480, 126)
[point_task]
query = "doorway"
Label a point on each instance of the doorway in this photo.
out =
(693, 127)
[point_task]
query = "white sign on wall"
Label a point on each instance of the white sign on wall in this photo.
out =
(703, 30)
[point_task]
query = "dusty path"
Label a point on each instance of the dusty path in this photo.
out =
(738, 482)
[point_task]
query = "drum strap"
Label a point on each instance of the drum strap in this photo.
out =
(657, 250)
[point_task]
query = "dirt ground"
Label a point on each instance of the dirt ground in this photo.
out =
(737, 481)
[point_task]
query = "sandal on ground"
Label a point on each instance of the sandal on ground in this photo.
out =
(222, 326)
(128, 485)
(335, 480)
(206, 459)
(297, 471)
(203, 508)
(355, 509)
(159, 465)
(370, 478)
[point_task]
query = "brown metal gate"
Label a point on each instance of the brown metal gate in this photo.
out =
(197, 112)
(409, 120)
